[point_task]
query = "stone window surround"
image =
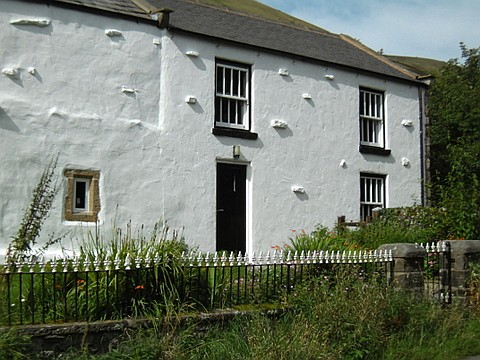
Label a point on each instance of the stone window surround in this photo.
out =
(91, 215)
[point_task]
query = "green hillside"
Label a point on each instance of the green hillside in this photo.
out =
(421, 66)
(257, 9)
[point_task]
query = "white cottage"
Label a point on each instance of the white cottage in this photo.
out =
(236, 128)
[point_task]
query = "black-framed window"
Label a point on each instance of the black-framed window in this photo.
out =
(372, 194)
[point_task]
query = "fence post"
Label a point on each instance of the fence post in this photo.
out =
(408, 262)
(464, 253)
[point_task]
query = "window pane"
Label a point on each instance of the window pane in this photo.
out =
(219, 80)
(235, 82)
(228, 81)
(243, 84)
(218, 109)
(233, 111)
(80, 194)
(362, 103)
(225, 110)
(240, 107)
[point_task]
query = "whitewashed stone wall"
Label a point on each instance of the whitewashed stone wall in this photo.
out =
(117, 104)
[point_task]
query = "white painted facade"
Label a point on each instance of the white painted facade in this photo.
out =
(117, 104)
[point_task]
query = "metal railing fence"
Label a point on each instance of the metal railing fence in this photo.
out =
(71, 290)
(437, 271)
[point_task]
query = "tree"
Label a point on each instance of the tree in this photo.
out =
(454, 112)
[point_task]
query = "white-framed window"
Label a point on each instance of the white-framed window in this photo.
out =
(372, 132)
(372, 194)
(232, 92)
(82, 196)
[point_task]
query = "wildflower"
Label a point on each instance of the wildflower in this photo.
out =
(139, 287)
(80, 281)
(275, 247)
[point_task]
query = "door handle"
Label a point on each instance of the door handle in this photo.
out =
(220, 210)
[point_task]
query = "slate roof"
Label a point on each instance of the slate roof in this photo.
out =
(205, 20)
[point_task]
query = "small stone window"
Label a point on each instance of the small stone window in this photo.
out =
(82, 201)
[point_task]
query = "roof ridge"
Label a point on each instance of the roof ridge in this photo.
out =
(382, 58)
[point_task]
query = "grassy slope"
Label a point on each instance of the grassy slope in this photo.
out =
(421, 66)
(257, 9)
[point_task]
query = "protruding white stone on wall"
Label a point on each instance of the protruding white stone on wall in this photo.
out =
(283, 72)
(157, 41)
(279, 124)
(307, 96)
(35, 22)
(128, 90)
(407, 123)
(343, 163)
(32, 70)
(330, 77)
(11, 72)
(190, 99)
(298, 189)
(405, 161)
(113, 32)
(192, 53)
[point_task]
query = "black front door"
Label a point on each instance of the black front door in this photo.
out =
(231, 207)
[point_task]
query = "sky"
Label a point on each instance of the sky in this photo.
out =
(422, 28)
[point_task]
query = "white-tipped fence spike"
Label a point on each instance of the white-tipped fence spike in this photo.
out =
(444, 246)
(43, 266)
(65, 265)
(215, 259)
(384, 256)
(190, 258)
(238, 259)
(127, 263)
(223, 259)
(99, 264)
(205, 258)
(261, 258)
(75, 264)
(231, 258)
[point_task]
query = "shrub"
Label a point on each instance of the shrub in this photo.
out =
(21, 245)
